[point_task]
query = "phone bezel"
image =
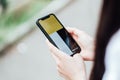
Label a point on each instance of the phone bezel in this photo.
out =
(45, 33)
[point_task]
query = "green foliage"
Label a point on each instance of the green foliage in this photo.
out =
(10, 21)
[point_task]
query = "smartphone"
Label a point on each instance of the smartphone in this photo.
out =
(57, 34)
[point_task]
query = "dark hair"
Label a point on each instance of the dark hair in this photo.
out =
(109, 24)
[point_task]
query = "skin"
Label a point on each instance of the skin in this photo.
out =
(73, 68)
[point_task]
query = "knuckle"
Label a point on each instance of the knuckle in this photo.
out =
(59, 65)
(59, 71)
(51, 49)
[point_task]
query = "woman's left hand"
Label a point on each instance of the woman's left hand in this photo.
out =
(70, 68)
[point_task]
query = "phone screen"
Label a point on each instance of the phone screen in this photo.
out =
(59, 35)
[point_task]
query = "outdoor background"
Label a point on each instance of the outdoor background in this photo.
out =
(24, 54)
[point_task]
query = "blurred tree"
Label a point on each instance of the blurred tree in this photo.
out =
(3, 3)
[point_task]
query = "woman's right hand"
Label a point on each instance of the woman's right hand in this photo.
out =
(86, 43)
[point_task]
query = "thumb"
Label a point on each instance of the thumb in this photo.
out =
(77, 56)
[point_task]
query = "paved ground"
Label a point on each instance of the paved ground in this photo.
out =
(30, 59)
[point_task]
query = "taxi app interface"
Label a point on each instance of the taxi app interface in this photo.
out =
(59, 35)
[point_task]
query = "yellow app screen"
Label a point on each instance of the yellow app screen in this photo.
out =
(51, 25)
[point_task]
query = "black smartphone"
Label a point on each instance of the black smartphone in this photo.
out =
(57, 34)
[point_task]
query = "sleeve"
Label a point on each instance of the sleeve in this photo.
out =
(112, 59)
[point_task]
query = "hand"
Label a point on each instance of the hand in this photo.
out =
(70, 68)
(86, 43)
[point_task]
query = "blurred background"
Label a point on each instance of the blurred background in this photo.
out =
(23, 52)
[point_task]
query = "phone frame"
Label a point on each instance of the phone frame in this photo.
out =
(46, 34)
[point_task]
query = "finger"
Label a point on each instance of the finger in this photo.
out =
(70, 30)
(74, 31)
(56, 52)
(86, 57)
(77, 56)
(61, 73)
(76, 34)
(54, 57)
